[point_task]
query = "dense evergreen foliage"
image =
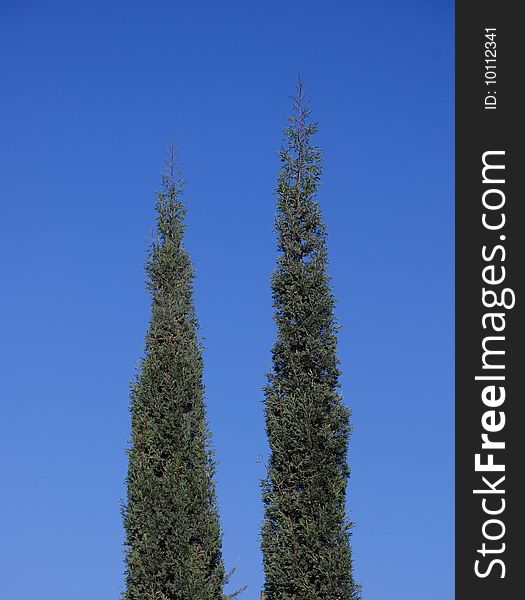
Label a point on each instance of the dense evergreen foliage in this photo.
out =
(173, 536)
(305, 535)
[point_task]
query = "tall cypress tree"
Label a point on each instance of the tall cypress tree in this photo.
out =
(305, 534)
(173, 535)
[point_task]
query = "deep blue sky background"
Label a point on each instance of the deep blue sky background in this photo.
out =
(90, 95)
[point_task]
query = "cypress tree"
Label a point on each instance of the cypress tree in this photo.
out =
(305, 533)
(173, 536)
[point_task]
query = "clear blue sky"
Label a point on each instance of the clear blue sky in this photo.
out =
(91, 94)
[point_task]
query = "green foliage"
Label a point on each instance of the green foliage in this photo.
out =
(305, 534)
(173, 537)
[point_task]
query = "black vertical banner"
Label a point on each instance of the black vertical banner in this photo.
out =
(490, 268)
